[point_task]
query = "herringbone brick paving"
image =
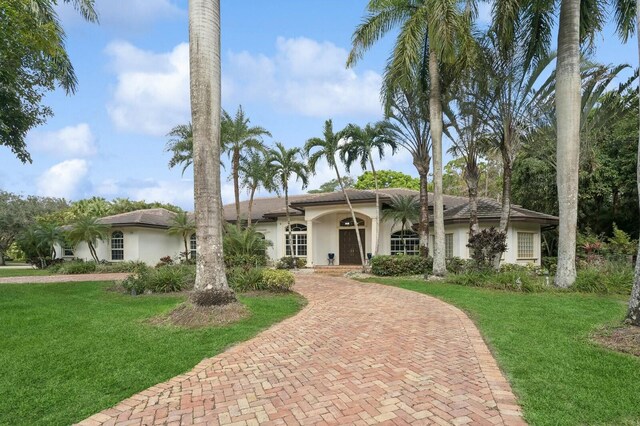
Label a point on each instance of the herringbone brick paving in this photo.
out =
(357, 354)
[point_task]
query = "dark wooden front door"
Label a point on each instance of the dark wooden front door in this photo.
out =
(349, 251)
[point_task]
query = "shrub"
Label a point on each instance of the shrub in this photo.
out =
(289, 262)
(456, 265)
(165, 279)
(613, 278)
(513, 280)
(245, 260)
(487, 246)
(128, 266)
(77, 267)
(550, 264)
(245, 242)
(244, 278)
(400, 264)
(274, 280)
(164, 261)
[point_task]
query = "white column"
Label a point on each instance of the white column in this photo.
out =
(374, 235)
(310, 244)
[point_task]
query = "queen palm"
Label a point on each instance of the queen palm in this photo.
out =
(362, 145)
(255, 174)
(182, 224)
(328, 148)
(430, 33)
(531, 23)
(181, 146)
(49, 235)
(403, 209)
(88, 230)
(286, 164)
(211, 285)
(238, 137)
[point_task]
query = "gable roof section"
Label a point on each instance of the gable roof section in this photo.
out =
(148, 218)
(489, 209)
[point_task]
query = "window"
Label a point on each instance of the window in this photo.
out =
(192, 247)
(448, 246)
(67, 250)
(117, 245)
(298, 240)
(348, 222)
(406, 242)
(525, 245)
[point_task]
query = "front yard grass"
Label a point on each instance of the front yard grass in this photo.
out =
(22, 272)
(542, 343)
(70, 350)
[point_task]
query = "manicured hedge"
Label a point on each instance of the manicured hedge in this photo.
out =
(400, 264)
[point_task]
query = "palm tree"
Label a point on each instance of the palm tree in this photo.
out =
(181, 146)
(408, 115)
(49, 235)
(404, 209)
(286, 164)
(431, 31)
(633, 314)
(255, 174)
(182, 224)
(328, 148)
(361, 146)
(211, 285)
(87, 229)
(239, 137)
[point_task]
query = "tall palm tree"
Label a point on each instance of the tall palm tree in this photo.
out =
(49, 235)
(407, 110)
(181, 146)
(633, 314)
(403, 209)
(431, 31)
(530, 22)
(255, 174)
(211, 285)
(238, 137)
(286, 164)
(182, 224)
(361, 145)
(87, 229)
(328, 148)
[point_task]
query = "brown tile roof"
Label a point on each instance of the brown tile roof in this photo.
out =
(151, 218)
(489, 209)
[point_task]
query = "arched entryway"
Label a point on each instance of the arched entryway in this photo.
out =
(349, 252)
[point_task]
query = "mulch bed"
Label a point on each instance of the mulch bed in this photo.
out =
(188, 315)
(624, 338)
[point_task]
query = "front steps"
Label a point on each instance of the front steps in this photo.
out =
(336, 270)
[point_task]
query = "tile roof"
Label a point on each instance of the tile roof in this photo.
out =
(154, 218)
(491, 209)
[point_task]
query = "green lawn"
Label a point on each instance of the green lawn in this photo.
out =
(541, 342)
(70, 350)
(11, 272)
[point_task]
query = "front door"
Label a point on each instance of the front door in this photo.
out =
(349, 251)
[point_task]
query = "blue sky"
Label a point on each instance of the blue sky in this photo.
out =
(283, 60)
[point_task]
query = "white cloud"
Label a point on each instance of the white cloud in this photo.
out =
(150, 190)
(63, 179)
(71, 141)
(306, 77)
(152, 90)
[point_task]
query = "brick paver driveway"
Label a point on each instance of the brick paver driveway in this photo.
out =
(357, 354)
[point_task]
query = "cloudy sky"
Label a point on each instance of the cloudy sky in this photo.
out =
(283, 60)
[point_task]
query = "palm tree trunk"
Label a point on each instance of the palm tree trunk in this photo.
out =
(375, 182)
(204, 62)
(250, 209)
(505, 150)
(568, 101)
(435, 113)
(286, 209)
(353, 217)
(236, 184)
(92, 250)
(472, 178)
(424, 214)
(633, 315)
(187, 252)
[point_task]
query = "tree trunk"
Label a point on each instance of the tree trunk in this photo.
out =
(568, 101)
(187, 252)
(2, 261)
(286, 209)
(435, 113)
(633, 315)
(472, 178)
(253, 193)
(423, 226)
(353, 217)
(204, 62)
(505, 149)
(376, 244)
(236, 183)
(92, 251)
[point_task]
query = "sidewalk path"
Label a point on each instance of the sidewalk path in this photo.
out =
(358, 354)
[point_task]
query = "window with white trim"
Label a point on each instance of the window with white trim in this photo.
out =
(298, 240)
(117, 245)
(67, 250)
(192, 247)
(405, 242)
(525, 245)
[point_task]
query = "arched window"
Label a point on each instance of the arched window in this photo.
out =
(348, 222)
(407, 242)
(192, 247)
(117, 245)
(298, 240)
